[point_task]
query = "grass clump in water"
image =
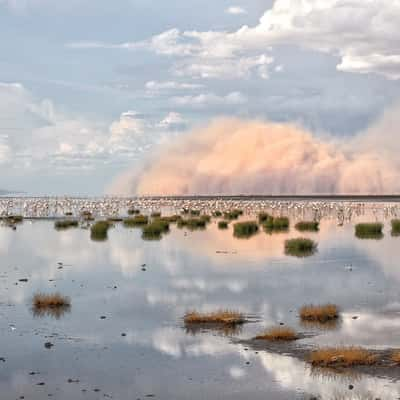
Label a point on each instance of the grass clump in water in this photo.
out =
(233, 214)
(87, 216)
(66, 224)
(217, 214)
(137, 220)
(311, 226)
(133, 211)
(223, 225)
(54, 305)
(395, 356)
(13, 219)
(277, 224)
(245, 229)
(206, 218)
(278, 334)
(155, 214)
(192, 223)
(320, 313)
(395, 227)
(99, 230)
(155, 229)
(372, 230)
(341, 357)
(300, 247)
(228, 317)
(263, 217)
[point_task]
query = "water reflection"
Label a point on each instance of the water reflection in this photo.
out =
(200, 270)
(53, 312)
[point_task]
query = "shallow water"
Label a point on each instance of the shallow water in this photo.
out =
(203, 270)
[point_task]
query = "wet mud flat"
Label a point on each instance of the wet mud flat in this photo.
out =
(382, 367)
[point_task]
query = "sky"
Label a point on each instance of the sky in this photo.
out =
(89, 88)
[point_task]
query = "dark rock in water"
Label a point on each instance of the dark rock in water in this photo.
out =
(48, 345)
(23, 280)
(355, 317)
(103, 317)
(351, 387)
(2, 359)
(73, 380)
(123, 334)
(40, 384)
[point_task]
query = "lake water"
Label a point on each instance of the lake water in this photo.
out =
(141, 348)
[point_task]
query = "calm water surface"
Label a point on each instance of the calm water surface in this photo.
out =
(157, 357)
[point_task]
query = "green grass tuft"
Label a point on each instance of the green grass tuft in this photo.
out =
(372, 230)
(396, 227)
(277, 224)
(66, 224)
(99, 231)
(300, 247)
(137, 220)
(192, 223)
(233, 214)
(312, 226)
(245, 229)
(223, 224)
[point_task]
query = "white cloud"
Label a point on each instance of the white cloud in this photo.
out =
(229, 68)
(364, 34)
(210, 99)
(235, 10)
(35, 134)
(173, 120)
(156, 86)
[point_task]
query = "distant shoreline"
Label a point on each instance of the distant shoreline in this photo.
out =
(318, 197)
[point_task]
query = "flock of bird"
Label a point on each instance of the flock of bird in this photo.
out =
(108, 207)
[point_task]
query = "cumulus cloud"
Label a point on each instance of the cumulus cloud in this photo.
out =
(172, 121)
(34, 133)
(232, 156)
(364, 35)
(235, 10)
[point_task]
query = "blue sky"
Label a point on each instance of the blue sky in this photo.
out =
(89, 87)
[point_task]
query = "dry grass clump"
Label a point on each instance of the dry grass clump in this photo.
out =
(155, 214)
(312, 226)
(172, 219)
(218, 317)
(245, 229)
(395, 357)
(53, 305)
(300, 247)
(53, 300)
(341, 357)
(319, 313)
(12, 219)
(87, 216)
(278, 334)
(66, 224)
(373, 230)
